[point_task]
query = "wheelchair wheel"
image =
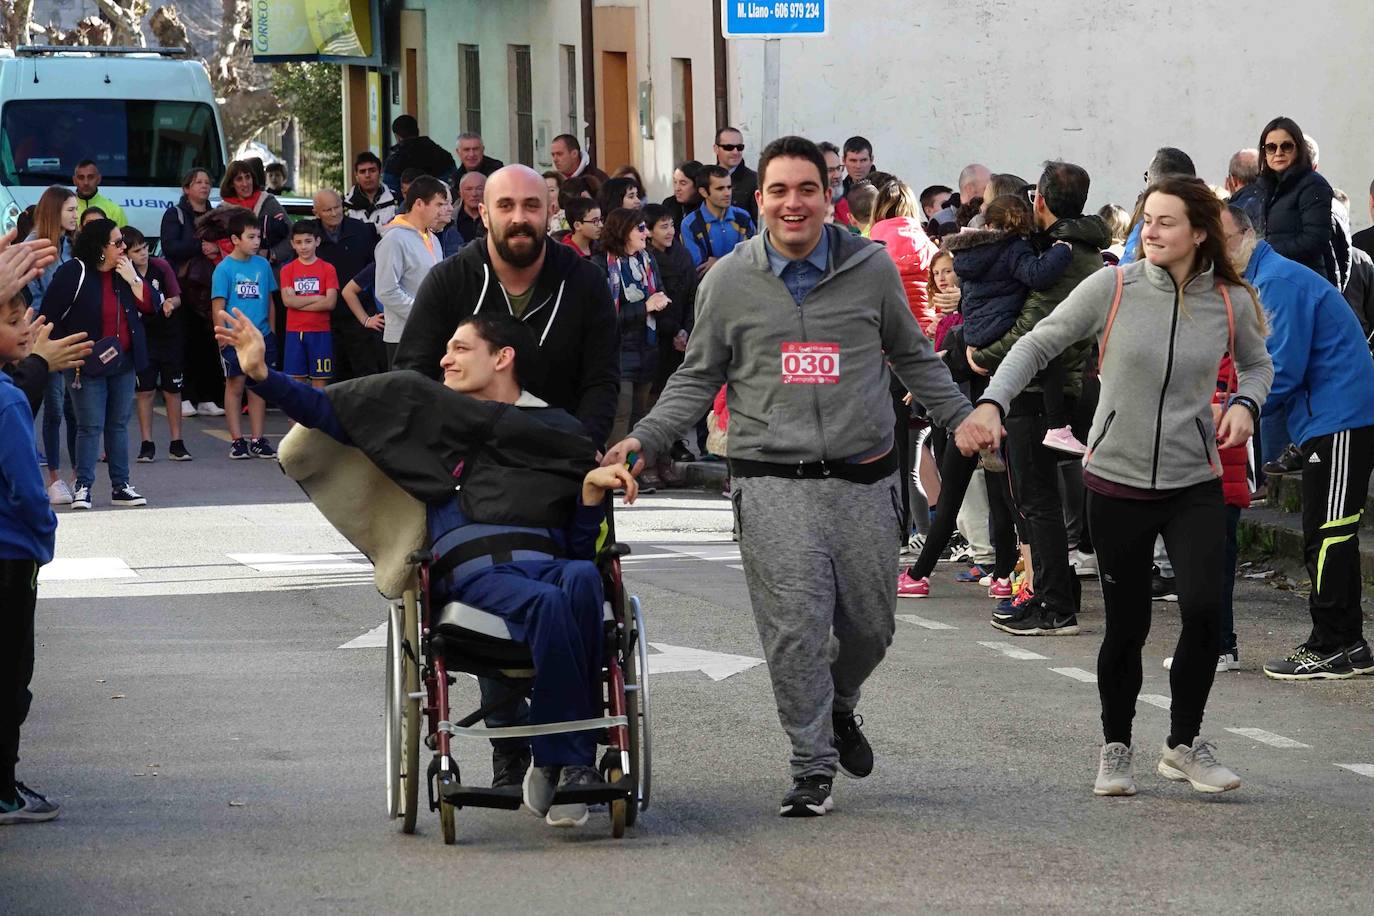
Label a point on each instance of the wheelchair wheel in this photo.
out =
(394, 711)
(406, 622)
(618, 808)
(636, 651)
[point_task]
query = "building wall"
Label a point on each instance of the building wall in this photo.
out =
(937, 85)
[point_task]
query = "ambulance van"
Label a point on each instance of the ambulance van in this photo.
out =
(145, 116)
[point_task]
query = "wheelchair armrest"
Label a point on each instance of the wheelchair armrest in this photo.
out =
(615, 550)
(418, 557)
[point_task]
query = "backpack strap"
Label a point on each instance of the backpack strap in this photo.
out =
(1111, 318)
(1230, 321)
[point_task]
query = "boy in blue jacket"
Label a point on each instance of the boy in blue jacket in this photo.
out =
(27, 534)
(1324, 380)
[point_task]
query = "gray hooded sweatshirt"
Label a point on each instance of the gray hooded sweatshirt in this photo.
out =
(805, 382)
(1153, 427)
(405, 257)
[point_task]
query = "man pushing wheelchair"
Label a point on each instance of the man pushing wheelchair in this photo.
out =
(514, 504)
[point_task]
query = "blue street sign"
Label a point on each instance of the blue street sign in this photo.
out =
(774, 18)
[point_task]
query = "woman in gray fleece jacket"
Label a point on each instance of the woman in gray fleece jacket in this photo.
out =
(1152, 465)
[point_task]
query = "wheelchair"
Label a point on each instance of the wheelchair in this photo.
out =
(428, 647)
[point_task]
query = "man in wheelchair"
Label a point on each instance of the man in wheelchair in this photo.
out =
(514, 502)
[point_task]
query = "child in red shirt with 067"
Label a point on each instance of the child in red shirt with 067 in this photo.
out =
(309, 289)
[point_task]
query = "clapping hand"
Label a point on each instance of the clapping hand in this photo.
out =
(61, 354)
(22, 263)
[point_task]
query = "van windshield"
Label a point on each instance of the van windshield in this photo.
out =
(135, 143)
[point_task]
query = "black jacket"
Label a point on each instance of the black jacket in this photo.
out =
(744, 182)
(486, 167)
(30, 376)
(354, 249)
(1250, 198)
(419, 153)
(996, 271)
(74, 304)
(179, 240)
(570, 312)
(519, 466)
(1359, 291)
(679, 276)
(1298, 222)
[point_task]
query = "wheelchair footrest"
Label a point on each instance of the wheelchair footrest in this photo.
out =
(509, 798)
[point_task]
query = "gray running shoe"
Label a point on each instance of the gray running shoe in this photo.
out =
(539, 788)
(572, 814)
(1115, 775)
(28, 807)
(1197, 765)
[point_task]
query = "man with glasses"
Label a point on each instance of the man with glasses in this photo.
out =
(729, 147)
(1167, 161)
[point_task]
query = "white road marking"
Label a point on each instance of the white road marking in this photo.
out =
(1155, 699)
(1011, 651)
(374, 638)
(927, 624)
(1078, 674)
(67, 569)
(1364, 769)
(298, 562)
(1269, 738)
(715, 665)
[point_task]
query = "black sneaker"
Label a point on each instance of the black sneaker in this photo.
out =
(810, 797)
(1288, 462)
(147, 453)
(1162, 587)
(126, 497)
(681, 452)
(1039, 621)
(1305, 665)
(856, 756)
(177, 451)
(508, 767)
(1361, 660)
(239, 449)
(261, 448)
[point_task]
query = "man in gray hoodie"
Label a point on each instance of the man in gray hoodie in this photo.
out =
(406, 254)
(801, 323)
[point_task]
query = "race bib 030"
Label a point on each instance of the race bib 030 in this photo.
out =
(810, 363)
(307, 286)
(246, 289)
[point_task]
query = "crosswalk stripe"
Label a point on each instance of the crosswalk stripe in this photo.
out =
(65, 569)
(1155, 699)
(1266, 737)
(298, 562)
(1364, 769)
(927, 624)
(1011, 651)
(1078, 674)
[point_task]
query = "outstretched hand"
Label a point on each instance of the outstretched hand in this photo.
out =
(618, 454)
(22, 263)
(239, 332)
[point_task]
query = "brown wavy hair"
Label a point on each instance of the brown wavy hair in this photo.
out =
(1203, 210)
(1010, 213)
(615, 233)
(47, 215)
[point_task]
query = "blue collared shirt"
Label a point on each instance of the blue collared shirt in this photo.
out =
(707, 236)
(800, 277)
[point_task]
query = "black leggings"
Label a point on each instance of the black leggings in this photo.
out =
(18, 596)
(1193, 523)
(955, 473)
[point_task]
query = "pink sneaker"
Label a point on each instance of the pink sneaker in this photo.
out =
(908, 587)
(1000, 588)
(1063, 440)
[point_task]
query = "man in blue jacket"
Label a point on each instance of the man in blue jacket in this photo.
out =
(1324, 377)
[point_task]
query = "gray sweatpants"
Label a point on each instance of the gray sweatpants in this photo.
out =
(821, 571)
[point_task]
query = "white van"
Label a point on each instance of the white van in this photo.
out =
(142, 116)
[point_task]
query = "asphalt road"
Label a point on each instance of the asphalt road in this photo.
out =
(215, 750)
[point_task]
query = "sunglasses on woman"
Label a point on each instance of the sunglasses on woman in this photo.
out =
(1286, 146)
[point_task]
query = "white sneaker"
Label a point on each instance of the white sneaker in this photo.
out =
(59, 494)
(188, 409)
(1115, 775)
(209, 409)
(1198, 766)
(1084, 564)
(1226, 661)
